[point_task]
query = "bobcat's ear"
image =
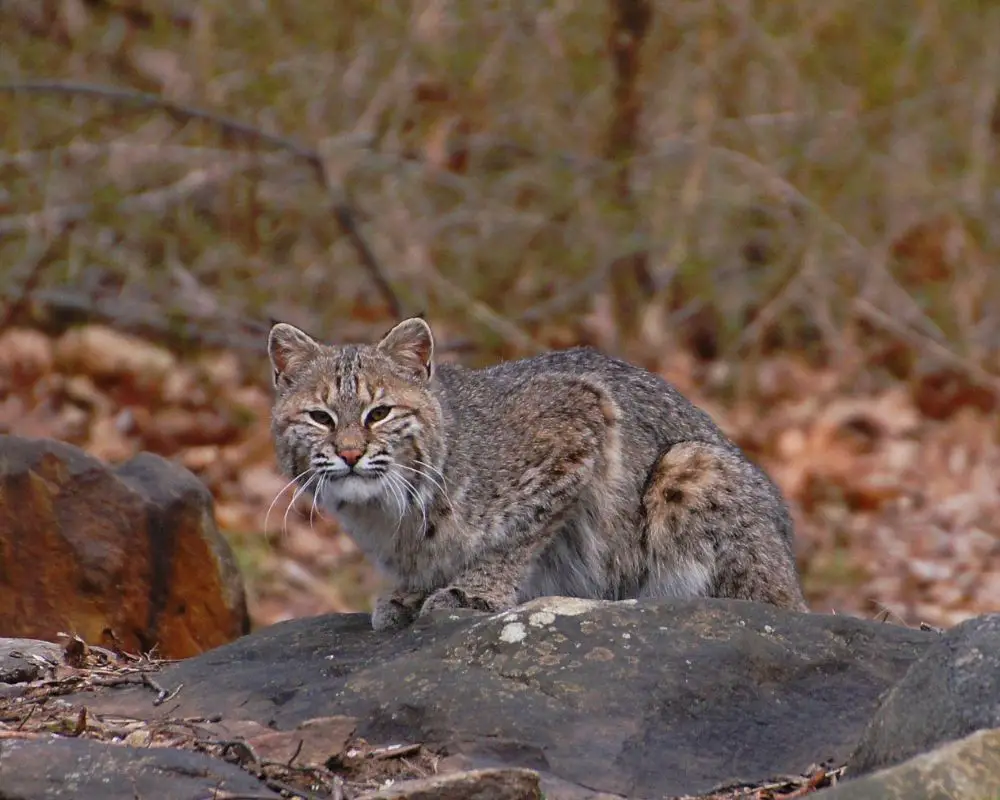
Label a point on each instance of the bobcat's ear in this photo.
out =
(288, 346)
(411, 344)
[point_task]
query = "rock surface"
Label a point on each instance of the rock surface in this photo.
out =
(480, 784)
(85, 770)
(86, 549)
(951, 692)
(26, 659)
(636, 699)
(967, 769)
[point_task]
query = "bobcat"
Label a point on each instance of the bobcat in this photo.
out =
(570, 473)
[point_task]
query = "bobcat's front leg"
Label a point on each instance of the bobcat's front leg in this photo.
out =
(571, 441)
(396, 609)
(490, 585)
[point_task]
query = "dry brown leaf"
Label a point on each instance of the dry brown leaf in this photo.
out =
(312, 743)
(103, 353)
(25, 355)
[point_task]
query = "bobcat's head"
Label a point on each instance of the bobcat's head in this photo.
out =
(357, 424)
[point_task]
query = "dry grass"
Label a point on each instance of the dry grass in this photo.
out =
(719, 191)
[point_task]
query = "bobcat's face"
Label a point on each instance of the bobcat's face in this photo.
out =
(357, 424)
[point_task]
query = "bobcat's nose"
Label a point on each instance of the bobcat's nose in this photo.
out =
(351, 456)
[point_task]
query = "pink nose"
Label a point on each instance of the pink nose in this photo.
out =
(350, 457)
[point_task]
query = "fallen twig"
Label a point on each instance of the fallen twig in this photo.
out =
(244, 750)
(38, 260)
(394, 751)
(162, 695)
(28, 716)
(295, 755)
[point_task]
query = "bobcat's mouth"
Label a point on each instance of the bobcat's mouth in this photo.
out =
(337, 487)
(343, 475)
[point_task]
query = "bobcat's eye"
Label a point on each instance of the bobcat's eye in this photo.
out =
(321, 417)
(377, 414)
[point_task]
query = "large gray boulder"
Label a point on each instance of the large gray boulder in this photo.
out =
(634, 699)
(966, 769)
(954, 690)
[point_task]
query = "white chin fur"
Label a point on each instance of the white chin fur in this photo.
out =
(351, 489)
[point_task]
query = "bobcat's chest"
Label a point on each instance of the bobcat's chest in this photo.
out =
(418, 551)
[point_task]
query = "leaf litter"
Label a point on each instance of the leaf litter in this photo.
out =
(321, 757)
(896, 511)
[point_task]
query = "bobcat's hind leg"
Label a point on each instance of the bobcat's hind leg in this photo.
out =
(716, 526)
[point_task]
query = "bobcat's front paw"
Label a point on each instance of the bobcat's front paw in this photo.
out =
(394, 611)
(453, 597)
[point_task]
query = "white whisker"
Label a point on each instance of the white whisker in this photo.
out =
(298, 493)
(391, 481)
(439, 484)
(316, 494)
(412, 491)
(283, 490)
(431, 467)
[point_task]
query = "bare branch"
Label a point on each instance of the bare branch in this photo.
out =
(82, 152)
(342, 211)
(39, 258)
(156, 200)
(920, 342)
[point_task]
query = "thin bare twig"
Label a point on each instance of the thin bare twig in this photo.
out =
(628, 28)
(394, 751)
(920, 341)
(342, 210)
(28, 716)
(38, 260)
(295, 755)
(81, 152)
(156, 200)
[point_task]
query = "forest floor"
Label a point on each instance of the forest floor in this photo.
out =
(786, 208)
(894, 494)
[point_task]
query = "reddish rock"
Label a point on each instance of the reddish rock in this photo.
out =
(129, 554)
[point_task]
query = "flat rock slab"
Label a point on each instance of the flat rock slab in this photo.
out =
(86, 770)
(638, 699)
